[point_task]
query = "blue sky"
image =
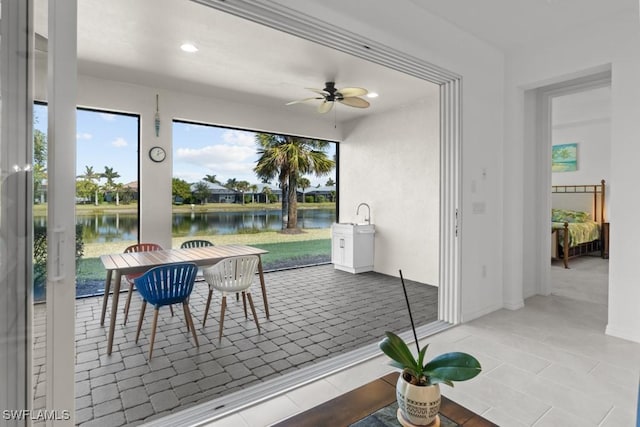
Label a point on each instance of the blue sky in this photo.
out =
(111, 140)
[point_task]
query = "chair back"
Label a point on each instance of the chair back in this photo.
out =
(234, 274)
(140, 247)
(143, 247)
(195, 244)
(167, 284)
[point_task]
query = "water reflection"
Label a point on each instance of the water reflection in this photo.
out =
(114, 227)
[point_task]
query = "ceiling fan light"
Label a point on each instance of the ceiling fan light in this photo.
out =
(372, 95)
(189, 47)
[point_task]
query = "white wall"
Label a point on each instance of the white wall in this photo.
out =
(609, 43)
(391, 161)
(584, 118)
(410, 29)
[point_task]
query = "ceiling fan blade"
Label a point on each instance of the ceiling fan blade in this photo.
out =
(318, 91)
(348, 92)
(302, 100)
(325, 107)
(354, 102)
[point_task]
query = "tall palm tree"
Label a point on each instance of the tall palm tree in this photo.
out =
(91, 176)
(303, 184)
(110, 175)
(266, 190)
(242, 187)
(288, 158)
(254, 190)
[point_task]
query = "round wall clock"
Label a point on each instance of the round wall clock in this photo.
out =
(157, 154)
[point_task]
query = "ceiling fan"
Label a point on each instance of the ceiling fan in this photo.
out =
(330, 94)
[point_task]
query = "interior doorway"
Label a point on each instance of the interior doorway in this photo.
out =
(576, 115)
(581, 120)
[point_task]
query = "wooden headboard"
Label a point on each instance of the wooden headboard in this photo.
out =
(587, 198)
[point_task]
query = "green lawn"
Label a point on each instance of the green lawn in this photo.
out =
(280, 254)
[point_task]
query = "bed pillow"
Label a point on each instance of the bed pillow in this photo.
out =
(567, 215)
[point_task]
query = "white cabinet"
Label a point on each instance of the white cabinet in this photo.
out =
(352, 247)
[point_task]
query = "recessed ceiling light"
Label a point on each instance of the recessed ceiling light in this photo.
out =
(189, 47)
(372, 95)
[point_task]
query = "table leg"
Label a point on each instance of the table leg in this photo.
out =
(262, 285)
(114, 311)
(107, 287)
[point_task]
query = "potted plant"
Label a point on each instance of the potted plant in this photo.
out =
(418, 390)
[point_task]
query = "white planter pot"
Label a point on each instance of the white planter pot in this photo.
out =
(418, 404)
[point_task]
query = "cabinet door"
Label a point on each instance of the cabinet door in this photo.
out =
(337, 249)
(342, 249)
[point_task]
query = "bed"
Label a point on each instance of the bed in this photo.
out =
(577, 221)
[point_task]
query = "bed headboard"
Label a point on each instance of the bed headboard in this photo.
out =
(587, 198)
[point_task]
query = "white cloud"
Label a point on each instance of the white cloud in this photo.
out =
(119, 142)
(225, 161)
(108, 117)
(83, 136)
(243, 138)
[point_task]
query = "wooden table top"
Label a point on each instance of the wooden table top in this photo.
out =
(357, 404)
(135, 261)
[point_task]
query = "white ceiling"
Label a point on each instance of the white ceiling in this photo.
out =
(138, 41)
(508, 24)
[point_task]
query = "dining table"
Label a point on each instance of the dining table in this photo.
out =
(120, 264)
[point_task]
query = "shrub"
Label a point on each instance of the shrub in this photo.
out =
(40, 255)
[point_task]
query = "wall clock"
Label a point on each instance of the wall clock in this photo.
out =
(157, 154)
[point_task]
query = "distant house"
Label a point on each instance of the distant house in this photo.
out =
(220, 193)
(318, 193)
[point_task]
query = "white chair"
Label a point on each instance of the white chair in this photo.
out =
(229, 276)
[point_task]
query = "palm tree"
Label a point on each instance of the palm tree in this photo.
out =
(303, 183)
(211, 178)
(91, 176)
(242, 187)
(267, 193)
(287, 158)
(110, 175)
(201, 192)
(254, 190)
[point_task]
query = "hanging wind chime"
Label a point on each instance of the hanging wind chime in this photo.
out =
(157, 121)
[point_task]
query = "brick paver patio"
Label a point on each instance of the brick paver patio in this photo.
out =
(316, 313)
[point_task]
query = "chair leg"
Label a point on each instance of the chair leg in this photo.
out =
(171, 308)
(126, 306)
(189, 319)
(244, 304)
(224, 306)
(153, 331)
(142, 309)
(206, 309)
(253, 310)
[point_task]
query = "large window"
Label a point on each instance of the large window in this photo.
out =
(106, 193)
(225, 190)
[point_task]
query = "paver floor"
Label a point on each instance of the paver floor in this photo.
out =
(316, 313)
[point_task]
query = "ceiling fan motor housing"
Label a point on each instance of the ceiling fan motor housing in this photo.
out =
(330, 88)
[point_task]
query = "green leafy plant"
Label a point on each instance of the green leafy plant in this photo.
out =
(446, 368)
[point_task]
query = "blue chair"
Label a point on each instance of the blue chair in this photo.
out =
(166, 285)
(139, 247)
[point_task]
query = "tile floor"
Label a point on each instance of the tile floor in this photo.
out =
(547, 364)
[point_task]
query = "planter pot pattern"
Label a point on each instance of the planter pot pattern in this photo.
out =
(418, 404)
